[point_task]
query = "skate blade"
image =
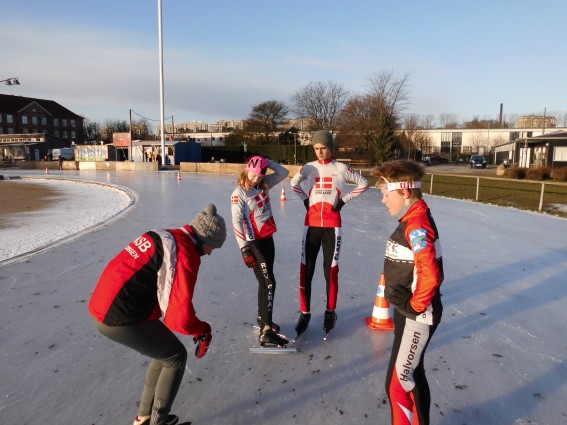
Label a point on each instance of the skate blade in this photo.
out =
(273, 350)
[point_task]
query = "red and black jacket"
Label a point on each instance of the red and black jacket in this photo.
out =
(153, 276)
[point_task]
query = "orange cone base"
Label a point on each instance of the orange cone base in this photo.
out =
(380, 324)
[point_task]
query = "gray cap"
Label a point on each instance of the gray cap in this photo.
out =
(323, 137)
(210, 227)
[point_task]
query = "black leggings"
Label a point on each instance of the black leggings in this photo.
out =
(313, 239)
(169, 356)
(265, 252)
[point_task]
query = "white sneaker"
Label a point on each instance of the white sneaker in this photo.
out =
(145, 420)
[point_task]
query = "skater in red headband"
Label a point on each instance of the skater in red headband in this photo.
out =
(413, 271)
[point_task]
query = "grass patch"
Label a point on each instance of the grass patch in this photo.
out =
(521, 194)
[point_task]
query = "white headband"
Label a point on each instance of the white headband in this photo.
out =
(391, 186)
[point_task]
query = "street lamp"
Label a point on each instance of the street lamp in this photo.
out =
(295, 148)
(11, 81)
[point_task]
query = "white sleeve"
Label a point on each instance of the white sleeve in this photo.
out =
(361, 184)
(237, 207)
(296, 185)
(280, 173)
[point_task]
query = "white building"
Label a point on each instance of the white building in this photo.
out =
(454, 142)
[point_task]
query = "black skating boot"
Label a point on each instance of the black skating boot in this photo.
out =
(270, 337)
(330, 320)
(302, 323)
(275, 326)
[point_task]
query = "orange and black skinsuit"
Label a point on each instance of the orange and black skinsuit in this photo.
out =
(413, 270)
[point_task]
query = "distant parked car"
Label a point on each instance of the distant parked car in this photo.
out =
(434, 160)
(477, 161)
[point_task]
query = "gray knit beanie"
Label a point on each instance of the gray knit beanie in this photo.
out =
(210, 227)
(323, 137)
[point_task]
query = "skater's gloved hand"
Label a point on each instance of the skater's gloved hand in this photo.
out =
(203, 341)
(339, 206)
(398, 298)
(248, 257)
(306, 203)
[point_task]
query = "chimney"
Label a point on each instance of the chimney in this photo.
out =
(501, 115)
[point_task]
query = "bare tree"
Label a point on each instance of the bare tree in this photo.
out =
(391, 91)
(140, 129)
(422, 143)
(415, 138)
(478, 140)
(321, 103)
(91, 130)
(477, 123)
(427, 121)
(267, 119)
(113, 126)
(356, 123)
(370, 121)
(511, 120)
(388, 97)
(447, 120)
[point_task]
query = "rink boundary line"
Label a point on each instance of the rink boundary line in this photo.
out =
(132, 194)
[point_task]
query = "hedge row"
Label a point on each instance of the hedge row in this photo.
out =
(543, 173)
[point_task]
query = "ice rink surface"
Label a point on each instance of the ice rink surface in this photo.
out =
(498, 356)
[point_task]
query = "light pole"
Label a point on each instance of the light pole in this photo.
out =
(295, 148)
(11, 81)
(160, 42)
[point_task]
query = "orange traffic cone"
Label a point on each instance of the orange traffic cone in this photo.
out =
(381, 319)
(179, 176)
(46, 171)
(283, 198)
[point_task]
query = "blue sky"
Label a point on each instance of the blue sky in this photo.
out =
(100, 59)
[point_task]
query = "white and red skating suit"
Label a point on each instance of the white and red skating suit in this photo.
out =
(153, 276)
(252, 211)
(323, 184)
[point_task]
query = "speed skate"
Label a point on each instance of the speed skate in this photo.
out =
(271, 342)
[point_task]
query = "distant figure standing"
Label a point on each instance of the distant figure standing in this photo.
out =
(155, 276)
(60, 160)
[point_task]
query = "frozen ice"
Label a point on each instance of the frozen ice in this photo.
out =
(498, 356)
